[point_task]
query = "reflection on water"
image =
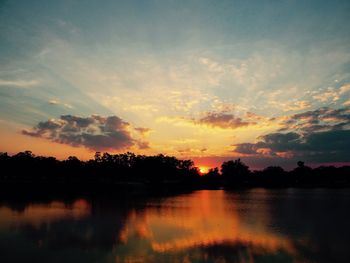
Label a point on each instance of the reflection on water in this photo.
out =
(38, 214)
(204, 218)
(204, 226)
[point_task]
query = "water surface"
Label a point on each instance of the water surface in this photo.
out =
(292, 225)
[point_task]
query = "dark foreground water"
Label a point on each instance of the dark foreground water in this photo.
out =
(203, 226)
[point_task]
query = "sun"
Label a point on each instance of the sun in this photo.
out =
(203, 169)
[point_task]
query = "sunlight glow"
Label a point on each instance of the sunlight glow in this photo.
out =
(203, 169)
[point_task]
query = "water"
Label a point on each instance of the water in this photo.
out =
(203, 226)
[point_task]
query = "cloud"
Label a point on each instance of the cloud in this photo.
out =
(344, 89)
(290, 105)
(320, 135)
(328, 95)
(191, 151)
(19, 83)
(223, 120)
(332, 94)
(276, 142)
(143, 145)
(320, 146)
(53, 102)
(143, 131)
(96, 132)
(57, 102)
(322, 119)
(217, 119)
(297, 105)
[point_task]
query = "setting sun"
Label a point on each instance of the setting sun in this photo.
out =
(203, 169)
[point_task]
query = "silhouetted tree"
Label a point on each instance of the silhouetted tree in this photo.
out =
(213, 172)
(108, 170)
(300, 164)
(302, 174)
(273, 176)
(235, 171)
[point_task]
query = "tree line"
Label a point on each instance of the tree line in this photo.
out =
(25, 168)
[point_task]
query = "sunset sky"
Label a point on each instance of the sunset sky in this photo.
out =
(266, 81)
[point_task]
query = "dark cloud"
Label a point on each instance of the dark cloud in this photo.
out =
(78, 121)
(223, 120)
(143, 145)
(323, 119)
(322, 135)
(280, 141)
(247, 148)
(276, 142)
(96, 132)
(142, 130)
(328, 146)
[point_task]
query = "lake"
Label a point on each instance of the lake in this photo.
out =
(258, 225)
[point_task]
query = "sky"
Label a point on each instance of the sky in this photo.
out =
(264, 81)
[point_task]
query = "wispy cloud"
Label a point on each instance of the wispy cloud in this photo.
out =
(58, 102)
(54, 102)
(347, 103)
(328, 95)
(19, 83)
(223, 120)
(344, 89)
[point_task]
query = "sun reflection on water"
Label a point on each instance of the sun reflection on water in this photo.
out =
(203, 218)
